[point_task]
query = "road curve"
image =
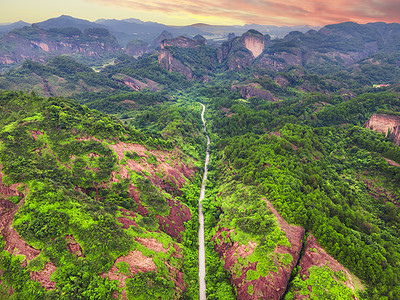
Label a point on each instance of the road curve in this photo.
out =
(202, 254)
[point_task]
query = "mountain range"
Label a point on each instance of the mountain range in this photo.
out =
(128, 29)
(285, 148)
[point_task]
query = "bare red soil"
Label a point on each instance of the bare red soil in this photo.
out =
(173, 170)
(43, 276)
(174, 223)
(35, 133)
(73, 246)
(152, 244)
(137, 263)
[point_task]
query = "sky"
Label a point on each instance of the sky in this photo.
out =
(221, 12)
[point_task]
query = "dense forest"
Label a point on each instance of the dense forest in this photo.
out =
(100, 172)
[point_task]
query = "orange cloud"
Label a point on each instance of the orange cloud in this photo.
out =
(277, 12)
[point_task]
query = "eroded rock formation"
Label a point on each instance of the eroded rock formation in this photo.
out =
(167, 61)
(385, 124)
(254, 90)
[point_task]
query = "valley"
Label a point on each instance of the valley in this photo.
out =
(202, 253)
(240, 167)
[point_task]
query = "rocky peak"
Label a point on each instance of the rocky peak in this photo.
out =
(40, 44)
(183, 42)
(165, 35)
(167, 61)
(137, 48)
(254, 42)
(201, 39)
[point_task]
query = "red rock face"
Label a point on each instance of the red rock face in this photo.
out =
(135, 84)
(255, 44)
(43, 276)
(384, 123)
(254, 90)
(174, 223)
(272, 286)
(182, 42)
(168, 62)
(45, 45)
(315, 255)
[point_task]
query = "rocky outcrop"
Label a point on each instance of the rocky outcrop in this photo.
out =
(384, 124)
(254, 42)
(136, 84)
(395, 135)
(254, 90)
(240, 52)
(136, 48)
(235, 255)
(183, 42)
(316, 258)
(272, 63)
(167, 61)
(38, 44)
(165, 35)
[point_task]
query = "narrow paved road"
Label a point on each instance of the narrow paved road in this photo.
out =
(202, 254)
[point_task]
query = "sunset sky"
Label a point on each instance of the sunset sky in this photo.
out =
(224, 12)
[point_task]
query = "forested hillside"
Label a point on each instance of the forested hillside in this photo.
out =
(99, 192)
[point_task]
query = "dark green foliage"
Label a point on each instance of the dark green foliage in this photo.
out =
(315, 187)
(79, 281)
(148, 285)
(152, 197)
(15, 275)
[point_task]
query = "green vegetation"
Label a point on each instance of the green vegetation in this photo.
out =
(89, 200)
(61, 152)
(324, 283)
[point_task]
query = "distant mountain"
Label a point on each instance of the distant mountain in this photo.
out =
(68, 21)
(39, 44)
(222, 31)
(60, 76)
(8, 27)
(329, 49)
(145, 31)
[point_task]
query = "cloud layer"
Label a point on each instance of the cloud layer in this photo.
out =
(279, 12)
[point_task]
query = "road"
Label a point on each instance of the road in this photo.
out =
(202, 254)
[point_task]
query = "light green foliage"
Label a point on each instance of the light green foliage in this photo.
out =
(132, 155)
(246, 213)
(152, 160)
(123, 267)
(250, 289)
(252, 275)
(151, 196)
(65, 169)
(323, 286)
(144, 286)
(37, 264)
(285, 258)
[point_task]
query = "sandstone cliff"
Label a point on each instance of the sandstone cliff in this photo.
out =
(384, 124)
(315, 264)
(183, 42)
(246, 262)
(136, 84)
(38, 44)
(167, 61)
(136, 48)
(165, 35)
(254, 90)
(240, 52)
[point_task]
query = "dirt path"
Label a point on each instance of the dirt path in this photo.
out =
(202, 255)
